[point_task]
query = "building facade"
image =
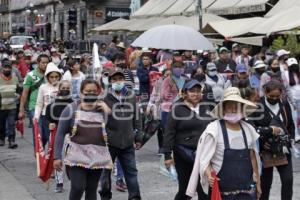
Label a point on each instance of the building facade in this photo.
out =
(5, 22)
(50, 19)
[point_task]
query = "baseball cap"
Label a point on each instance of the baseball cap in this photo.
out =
(241, 68)
(191, 83)
(292, 61)
(259, 64)
(235, 45)
(6, 63)
(211, 66)
(222, 49)
(115, 72)
(282, 52)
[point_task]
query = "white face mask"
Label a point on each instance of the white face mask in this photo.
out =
(212, 73)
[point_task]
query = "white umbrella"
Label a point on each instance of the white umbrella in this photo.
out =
(173, 37)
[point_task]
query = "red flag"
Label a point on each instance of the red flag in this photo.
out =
(44, 161)
(20, 127)
(215, 193)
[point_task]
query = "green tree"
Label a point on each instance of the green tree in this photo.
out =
(288, 42)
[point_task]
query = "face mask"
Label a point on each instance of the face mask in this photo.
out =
(294, 68)
(260, 71)
(90, 98)
(118, 86)
(212, 73)
(275, 70)
(7, 73)
(177, 72)
(105, 81)
(64, 93)
(273, 101)
(263, 57)
(122, 65)
(233, 117)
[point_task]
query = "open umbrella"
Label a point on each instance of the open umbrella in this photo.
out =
(173, 37)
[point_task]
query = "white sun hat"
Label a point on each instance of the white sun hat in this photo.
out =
(233, 94)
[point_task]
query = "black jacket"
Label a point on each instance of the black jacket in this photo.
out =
(261, 119)
(182, 129)
(144, 79)
(124, 124)
(54, 110)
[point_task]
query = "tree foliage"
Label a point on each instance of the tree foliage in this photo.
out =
(288, 42)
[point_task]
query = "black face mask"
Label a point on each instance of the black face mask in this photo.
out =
(7, 73)
(122, 65)
(294, 68)
(275, 70)
(90, 98)
(64, 93)
(260, 71)
(263, 57)
(273, 101)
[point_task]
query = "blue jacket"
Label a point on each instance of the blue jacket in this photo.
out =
(143, 75)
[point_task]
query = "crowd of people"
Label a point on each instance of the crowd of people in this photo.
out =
(222, 113)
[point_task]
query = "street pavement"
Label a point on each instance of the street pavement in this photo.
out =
(18, 179)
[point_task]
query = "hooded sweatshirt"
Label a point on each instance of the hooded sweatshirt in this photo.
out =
(47, 92)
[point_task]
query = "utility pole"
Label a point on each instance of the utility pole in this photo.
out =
(199, 12)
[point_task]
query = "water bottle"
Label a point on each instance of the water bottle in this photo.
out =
(295, 151)
(253, 191)
(173, 173)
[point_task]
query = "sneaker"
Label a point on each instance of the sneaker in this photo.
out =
(59, 188)
(2, 142)
(12, 145)
(121, 186)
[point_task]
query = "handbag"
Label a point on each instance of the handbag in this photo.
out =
(273, 160)
(186, 153)
(150, 127)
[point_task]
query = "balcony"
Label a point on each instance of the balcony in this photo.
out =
(4, 8)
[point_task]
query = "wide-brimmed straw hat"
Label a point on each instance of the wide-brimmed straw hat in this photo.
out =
(233, 94)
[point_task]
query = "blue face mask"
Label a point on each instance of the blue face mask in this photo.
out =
(117, 86)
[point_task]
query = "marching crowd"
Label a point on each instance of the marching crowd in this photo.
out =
(221, 117)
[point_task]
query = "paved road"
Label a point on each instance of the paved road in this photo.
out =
(19, 182)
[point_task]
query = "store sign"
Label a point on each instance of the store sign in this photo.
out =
(115, 13)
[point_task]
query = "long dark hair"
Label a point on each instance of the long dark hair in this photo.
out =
(292, 73)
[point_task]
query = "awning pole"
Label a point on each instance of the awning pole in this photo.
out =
(199, 12)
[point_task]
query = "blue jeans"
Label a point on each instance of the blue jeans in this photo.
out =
(120, 173)
(8, 124)
(126, 158)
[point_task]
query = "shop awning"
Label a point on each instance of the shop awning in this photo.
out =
(235, 7)
(143, 24)
(282, 5)
(115, 25)
(184, 7)
(285, 20)
(233, 28)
